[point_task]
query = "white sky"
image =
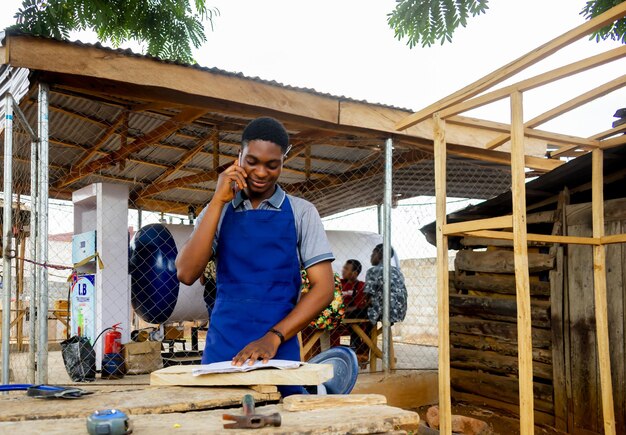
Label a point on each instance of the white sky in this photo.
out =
(346, 48)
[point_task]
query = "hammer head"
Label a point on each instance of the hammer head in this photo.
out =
(251, 421)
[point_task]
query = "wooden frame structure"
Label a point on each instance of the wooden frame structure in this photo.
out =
(167, 130)
(445, 112)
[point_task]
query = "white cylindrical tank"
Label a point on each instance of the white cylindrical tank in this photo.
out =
(158, 297)
(156, 294)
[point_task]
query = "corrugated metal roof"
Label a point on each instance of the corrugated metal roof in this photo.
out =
(78, 121)
(213, 70)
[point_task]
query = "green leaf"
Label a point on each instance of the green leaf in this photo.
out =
(169, 28)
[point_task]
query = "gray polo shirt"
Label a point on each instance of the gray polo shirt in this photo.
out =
(313, 246)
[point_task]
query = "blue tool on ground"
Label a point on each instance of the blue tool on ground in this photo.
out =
(47, 391)
(345, 366)
(108, 422)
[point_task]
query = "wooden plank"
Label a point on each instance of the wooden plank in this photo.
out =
(478, 224)
(498, 283)
(493, 362)
(600, 292)
(565, 107)
(540, 417)
(613, 238)
(490, 344)
(81, 60)
(134, 399)
(550, 137)
(308, 374)
(384, 119)
(504, 388)
(612, 143)
(536, 163)
(541, 238)
(472, 241)
(507, 332)
(500, 261)
(536, 81)
(301, 402)
(264, 388)
(557, 308)
(615, 304)
(512, 68)
(443, 290)
(355, 419)
(522, 264)
(406, 389)
(584, 398)
(581, 214)
(490, 308)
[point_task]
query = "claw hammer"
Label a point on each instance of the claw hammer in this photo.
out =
(250, 420)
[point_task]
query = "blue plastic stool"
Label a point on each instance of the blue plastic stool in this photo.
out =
(346, 368)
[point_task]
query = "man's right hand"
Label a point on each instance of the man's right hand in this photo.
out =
(234, 175)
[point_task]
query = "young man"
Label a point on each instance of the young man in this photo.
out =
(260, 238)
(374, 288)
(352, 289)
(356, 302)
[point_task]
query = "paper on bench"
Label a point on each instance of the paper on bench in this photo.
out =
(227, 367)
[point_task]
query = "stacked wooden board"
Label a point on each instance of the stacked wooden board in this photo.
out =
(300, 414)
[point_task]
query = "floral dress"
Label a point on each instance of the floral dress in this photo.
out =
(331, 316)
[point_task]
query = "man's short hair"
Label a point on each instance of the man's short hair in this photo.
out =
(266, 128)
(356, 265)
(379, 249)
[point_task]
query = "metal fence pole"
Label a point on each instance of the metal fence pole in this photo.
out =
(42, 350)
(387, 203)
(32, 310)
(7, 236)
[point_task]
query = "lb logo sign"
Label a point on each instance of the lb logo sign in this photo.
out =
(83, 303)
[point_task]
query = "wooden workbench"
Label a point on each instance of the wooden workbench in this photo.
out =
(349, 419)
(132, 399)
(186, 410)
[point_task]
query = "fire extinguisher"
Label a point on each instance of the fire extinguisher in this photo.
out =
(113, 340)
(112, 360)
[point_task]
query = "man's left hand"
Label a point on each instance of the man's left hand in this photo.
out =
(264, 348)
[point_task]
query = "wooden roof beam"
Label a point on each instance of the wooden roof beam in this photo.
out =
(183, 181)
(536, 81)
(567, 151)
(572, 104)
(122, 119)
(614, 142)
(555, 138)
(365, 170)
(160, 205)
(158, 133)
(519, 64)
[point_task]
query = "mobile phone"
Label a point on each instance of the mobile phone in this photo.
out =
(234, 184)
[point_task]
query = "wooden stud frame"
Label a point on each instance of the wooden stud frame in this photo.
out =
(464, 100)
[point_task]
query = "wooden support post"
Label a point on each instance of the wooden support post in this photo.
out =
(600, 298)
(307, 162)
(522, 279)
(445, 403)
(216, 150)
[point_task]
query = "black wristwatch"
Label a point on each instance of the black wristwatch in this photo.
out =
(279, 334)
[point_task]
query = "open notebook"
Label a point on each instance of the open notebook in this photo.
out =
(227, 367)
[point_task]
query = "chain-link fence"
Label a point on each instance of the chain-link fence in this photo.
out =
(128, 179)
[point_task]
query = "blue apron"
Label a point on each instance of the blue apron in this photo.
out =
(258, 281)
